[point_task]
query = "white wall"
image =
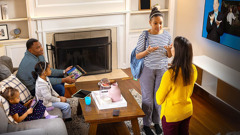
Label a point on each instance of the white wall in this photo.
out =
(40, 8)
(188, 23)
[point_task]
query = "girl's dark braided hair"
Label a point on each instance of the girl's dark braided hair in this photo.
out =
(155, 12)
(39, 68)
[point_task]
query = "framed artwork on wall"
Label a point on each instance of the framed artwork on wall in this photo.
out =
(4, 32)
(144, 4)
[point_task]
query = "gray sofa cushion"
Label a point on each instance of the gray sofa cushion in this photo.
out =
(4, 72)
(28, 132)
(4, 121)
(7, 61)
(51, 126)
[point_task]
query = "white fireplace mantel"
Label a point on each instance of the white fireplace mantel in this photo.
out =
(80, 23)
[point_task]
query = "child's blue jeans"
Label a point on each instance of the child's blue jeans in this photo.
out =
(65, 108)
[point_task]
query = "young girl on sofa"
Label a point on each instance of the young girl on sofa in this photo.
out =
(24, 112)
(45, 92)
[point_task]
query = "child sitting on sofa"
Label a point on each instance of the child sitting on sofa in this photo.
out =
(21, 112)
(45, 92)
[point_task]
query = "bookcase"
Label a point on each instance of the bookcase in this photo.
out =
(17, 18)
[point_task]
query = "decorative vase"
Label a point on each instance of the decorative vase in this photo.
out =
(5, 12)
(114, 92)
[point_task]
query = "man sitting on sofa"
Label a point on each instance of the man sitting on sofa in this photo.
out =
(33, 55)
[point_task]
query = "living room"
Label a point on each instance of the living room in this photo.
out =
(42, 19)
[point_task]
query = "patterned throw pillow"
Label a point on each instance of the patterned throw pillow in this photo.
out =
(12, 81)
(5, 105)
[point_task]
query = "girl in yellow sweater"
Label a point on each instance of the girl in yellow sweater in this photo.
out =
(176, 89)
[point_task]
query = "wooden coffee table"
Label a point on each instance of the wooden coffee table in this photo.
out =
(96, 117)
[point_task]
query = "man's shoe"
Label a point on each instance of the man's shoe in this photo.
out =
(158, 129)
(147, 130)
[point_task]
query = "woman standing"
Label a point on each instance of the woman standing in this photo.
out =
(155, 64)
(176, 89)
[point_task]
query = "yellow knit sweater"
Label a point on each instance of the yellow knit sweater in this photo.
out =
(175, 97)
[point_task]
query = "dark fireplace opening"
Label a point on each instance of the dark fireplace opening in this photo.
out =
(92, 50)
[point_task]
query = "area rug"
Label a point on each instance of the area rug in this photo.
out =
(78, 127)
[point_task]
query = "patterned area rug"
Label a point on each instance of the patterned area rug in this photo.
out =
(78, 127)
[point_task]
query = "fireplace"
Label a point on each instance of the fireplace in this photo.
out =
(92, 50)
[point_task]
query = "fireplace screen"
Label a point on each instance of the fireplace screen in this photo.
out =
(92, 50)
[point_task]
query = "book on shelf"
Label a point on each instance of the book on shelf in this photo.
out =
(103, 101)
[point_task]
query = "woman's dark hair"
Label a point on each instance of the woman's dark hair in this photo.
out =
(182, 60)
(30, 42)
(39, 68)
(155, 12)
(9, 93)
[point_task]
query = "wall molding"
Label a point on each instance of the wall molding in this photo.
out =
(79, 16)
(37, 5)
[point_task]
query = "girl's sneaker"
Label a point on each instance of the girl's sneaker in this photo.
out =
(51, 116)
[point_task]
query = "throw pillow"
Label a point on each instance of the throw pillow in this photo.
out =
(7, 61)
(4, 72)
(12, 81)
(5, 105)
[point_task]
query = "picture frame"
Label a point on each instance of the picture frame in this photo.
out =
(4, 32)
(144, 4)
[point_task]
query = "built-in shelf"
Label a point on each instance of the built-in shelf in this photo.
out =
(13, 41)
(147, 11)
(140, 30)
(220, 71)
(14, 20)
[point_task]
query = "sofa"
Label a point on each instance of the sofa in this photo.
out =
(40, 126)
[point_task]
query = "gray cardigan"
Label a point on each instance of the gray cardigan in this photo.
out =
(26, 67)
(45, 92)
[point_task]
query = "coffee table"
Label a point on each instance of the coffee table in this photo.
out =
(96, 117)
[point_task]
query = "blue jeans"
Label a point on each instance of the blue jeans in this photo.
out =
(65, 108)
(59, 88)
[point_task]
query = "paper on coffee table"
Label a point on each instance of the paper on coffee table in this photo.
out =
(103, 105)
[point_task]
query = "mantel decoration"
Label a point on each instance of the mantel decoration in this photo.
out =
(17, 32)
(5, 12)
(4, 32)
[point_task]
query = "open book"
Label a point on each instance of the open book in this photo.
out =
(77, 71)
(34, 102)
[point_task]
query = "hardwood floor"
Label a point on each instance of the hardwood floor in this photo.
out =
(210, 116)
